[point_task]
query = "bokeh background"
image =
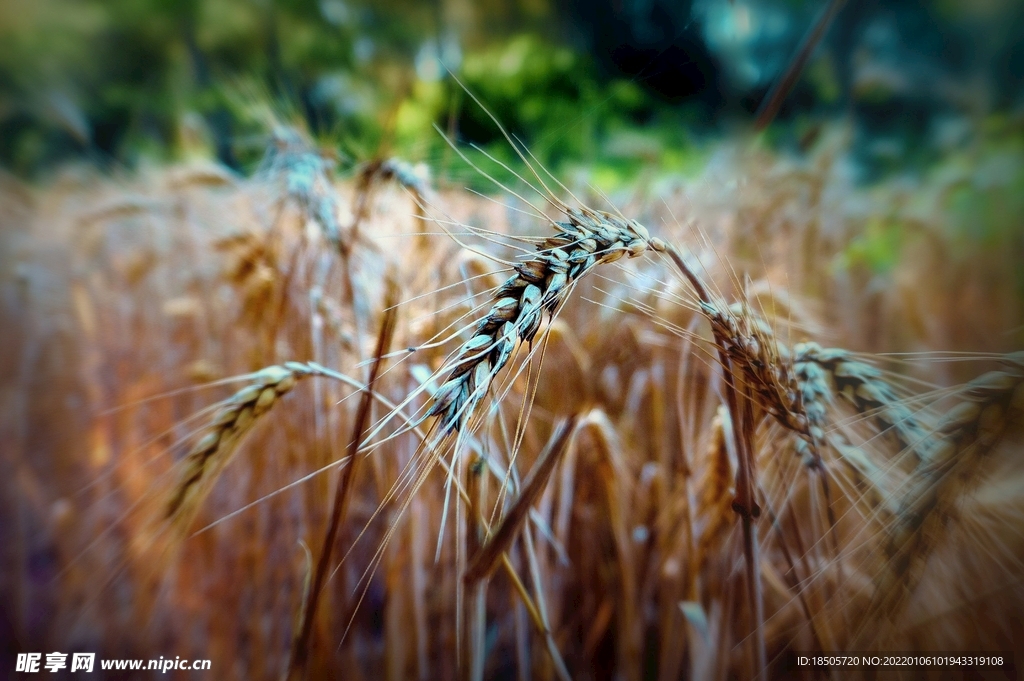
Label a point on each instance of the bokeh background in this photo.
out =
(152, 212)
(616, 88)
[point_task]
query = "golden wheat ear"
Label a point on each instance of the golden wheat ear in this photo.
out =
(240, 414)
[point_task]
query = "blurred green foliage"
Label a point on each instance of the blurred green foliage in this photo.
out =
(552, 101)
(122, 80)
(971, 199)
(117, 77)
(877, 248)
(125, 80)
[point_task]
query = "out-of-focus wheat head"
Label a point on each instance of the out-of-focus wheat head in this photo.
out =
(155, 317)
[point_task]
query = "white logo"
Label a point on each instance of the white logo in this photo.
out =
(55, 661)
(28, 662)
(82, 662)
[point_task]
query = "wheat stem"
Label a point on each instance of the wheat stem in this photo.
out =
(343, 493)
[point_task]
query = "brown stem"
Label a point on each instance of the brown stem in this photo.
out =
(475, 600)
(744, 503)
(773, 100)
(487, 557)
(751, 550)
(298, 666)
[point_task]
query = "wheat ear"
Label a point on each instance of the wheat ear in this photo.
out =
(541, 283)
(861, 385)
(943, 456)
(235, 419)
(390, 169)
(307, 180)
(965, 434)
(766, 365)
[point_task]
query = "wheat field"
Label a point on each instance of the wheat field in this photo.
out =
(674, 433)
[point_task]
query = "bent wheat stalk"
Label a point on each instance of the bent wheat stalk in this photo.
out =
(483, 561)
